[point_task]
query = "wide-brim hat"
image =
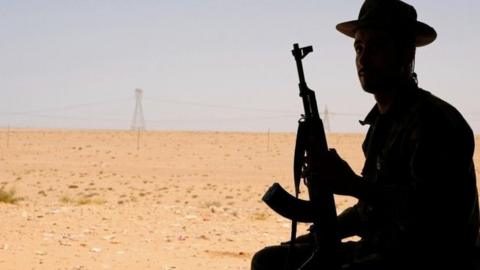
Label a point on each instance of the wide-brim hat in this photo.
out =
(391, 15)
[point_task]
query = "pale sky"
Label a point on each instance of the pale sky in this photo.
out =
(209, 65)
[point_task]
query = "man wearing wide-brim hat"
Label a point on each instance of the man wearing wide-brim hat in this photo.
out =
(417, 196)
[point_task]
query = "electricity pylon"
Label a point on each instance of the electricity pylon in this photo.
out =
(138, 122)
(326, 119)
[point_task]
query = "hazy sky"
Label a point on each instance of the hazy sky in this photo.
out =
(209, 65)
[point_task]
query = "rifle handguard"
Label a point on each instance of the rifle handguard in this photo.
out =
(287, 205)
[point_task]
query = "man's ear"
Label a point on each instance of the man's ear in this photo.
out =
(407, 58)
(408, 55)
(411, 56)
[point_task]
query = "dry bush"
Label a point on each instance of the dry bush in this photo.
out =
(9, 196)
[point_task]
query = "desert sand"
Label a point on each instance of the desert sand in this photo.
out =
(177, 200)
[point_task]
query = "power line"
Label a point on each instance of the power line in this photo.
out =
(209, 105)
(66, 117)
(272, 114)
(67, 108)
(239, 108)
(213, 119)
(234, 118)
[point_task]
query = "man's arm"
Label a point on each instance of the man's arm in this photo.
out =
(349, 222)
(348, 225)
(342, 180)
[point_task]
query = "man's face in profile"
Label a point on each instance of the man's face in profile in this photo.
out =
(376, 59)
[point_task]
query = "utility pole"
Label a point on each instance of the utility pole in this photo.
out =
(8, 136)
(268, 140)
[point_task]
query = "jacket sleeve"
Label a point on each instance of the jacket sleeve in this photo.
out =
(349, 222)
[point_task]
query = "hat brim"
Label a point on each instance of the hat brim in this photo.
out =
(424, 34)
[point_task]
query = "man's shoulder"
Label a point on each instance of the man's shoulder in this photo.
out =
(434, 113)
(431, 104)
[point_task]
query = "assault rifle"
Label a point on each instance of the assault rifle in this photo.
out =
(311, 143)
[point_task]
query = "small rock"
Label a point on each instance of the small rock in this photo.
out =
(190, 216)
(41, 253)
(63, 243)
(55, 211)
(108, 237)
(203, 237)
(96, 249)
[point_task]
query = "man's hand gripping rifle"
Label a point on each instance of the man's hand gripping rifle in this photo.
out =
(320, 210)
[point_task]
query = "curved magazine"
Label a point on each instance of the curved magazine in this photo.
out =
(287, 205)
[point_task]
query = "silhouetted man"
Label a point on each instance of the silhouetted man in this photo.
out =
(418, 204)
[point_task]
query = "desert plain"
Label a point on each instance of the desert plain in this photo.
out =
(87, 199)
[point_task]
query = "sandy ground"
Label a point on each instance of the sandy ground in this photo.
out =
(183, 200)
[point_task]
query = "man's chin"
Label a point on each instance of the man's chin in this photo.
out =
(374, 88)
(368, 85)
(369, 88)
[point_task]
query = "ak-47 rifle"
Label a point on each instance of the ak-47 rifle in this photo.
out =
(320, 208)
